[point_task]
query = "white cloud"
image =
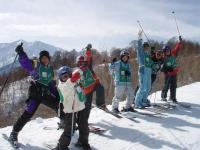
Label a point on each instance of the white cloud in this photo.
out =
(71, 24)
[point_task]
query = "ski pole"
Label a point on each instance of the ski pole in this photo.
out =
(143, 31)
(73, 114)
(8, 75)
(173, 12)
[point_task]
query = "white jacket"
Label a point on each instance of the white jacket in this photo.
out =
(67, 90)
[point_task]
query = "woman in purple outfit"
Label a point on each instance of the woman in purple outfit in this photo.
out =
(42, 89)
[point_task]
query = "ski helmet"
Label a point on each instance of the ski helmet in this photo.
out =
(166, 48)
(159, 54)
(89, 46)
(80, 59)
(44, 53)
(124, 53)
(64, 70)
(146, 44)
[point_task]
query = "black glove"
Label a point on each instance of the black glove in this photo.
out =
(114, 60)
(19, 49)
(169, 69)
(61, 106)
(127, 73)
(166, 69)
(180, 39)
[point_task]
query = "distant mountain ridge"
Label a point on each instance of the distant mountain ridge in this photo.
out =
(7, 51)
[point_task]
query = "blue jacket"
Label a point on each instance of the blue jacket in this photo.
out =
(143, 58)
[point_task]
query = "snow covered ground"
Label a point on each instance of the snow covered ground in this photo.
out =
(176, 129)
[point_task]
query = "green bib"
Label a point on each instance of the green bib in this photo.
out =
(171, 62)
(61, 96)
(155, 68)
(122, 76)
(80, 93)
(86, 78)
(148, 61)
(45, 75)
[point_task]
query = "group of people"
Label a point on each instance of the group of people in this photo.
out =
(71, 97)
(150, 62)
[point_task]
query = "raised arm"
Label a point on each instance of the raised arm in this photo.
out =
(88, 53)
(75, 75)
(177, 48)
(25, 62)
(139, 50)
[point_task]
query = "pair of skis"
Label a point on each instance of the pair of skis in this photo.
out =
(171, 105)
(92, 129)
(133, 115)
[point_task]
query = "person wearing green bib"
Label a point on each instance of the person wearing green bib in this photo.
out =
(121, 71)
(170, 70)
(73, 98)
(144, 72)
(42, 89)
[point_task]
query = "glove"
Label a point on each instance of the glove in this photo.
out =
(127, 73)
(180, 39)
(170, 69)
(114, 60)
(19, 49)
(61, 106)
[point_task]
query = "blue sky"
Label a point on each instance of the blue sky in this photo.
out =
(105, 23)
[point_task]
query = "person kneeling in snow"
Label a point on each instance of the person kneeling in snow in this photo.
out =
(42, 89)
(121, 71)
(73, 97)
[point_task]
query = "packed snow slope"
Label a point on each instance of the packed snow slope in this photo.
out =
(176, 129)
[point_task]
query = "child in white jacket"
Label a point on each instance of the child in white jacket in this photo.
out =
(73, 99)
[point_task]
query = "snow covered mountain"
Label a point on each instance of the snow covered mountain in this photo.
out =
(7, 50)
(175, 129)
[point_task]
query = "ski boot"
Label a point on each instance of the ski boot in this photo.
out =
(164, 99)
(58, 147)
(61, 124)
(148, 104)
(130, 109)
(174, 101)
(103, 107)
(139, 107)
(83, 146)
(13, 138)
(115, 110)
